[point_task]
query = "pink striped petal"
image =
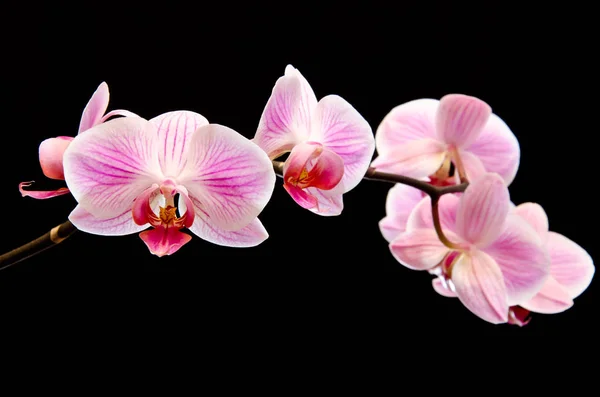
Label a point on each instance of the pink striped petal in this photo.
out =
(411, 121)
(480, 287)
(95, 108)
(230, 178)
(174, 132)
(416, 159)
(401, 200)
(51, 156)
(472, 165)
(117, 112)
(119, 225)
(286, 119)
(522, 258)
(142, 212)
(421, 217)
(418, 249)
(249, 236)
(482, 210)
(443, 287)
(552, 298)
(329, 202)
(340, 128)
(111, 164)
(497, 148)
(460, 119)
(535, 215)
(40, 194)
(570, 264)
(163, 241)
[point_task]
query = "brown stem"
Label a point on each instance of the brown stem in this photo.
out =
(55, 236)
(435, 192)
(435, 212)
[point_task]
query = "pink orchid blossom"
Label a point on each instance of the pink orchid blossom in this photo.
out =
(571, 269)
(331, 144)
(496, 260)
(424, 137)
(51, 150)
(171, 172)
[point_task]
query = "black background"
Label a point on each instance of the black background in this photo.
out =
(319, 279)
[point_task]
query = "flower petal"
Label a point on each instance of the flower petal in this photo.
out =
(472, 165)
(40, 194)
(400, 201)
(483, 209)
(418, 249)
(570, 264)
(228, 177)
(341, 128)
(249, 236)
(286, 118)
(119, 225)
(480, 287)
(411, 121)
(443, 287)
(416, 159)
(51, 153)
(422, 218)
(497, 148)
(164, 240)
(535, 215)
(95, 108)
(522, 258)
(310, 164)
(174, 132)
(329, 202)
(460, 119)
(552, 298)
(301, 197)
(111, 164)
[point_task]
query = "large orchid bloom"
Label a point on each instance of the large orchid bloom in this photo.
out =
(425, 137)
(51, 150)
(571, 269)
(497, 260)
(171, 172)
(331, 144)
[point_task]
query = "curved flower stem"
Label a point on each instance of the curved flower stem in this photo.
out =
(55, 236)
(435, 192)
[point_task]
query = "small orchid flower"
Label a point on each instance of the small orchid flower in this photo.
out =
(424, 137)
(175, 171)
(496, 260)
(571, 269)
(331, 144)
(51, 150)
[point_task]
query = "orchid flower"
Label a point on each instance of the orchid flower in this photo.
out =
(425, 137)
(171, 172)
(496, 259)
(51, 150)
(331, 144)
(571, 269)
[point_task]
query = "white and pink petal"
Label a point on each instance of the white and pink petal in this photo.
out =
(227, 176)
(341, 128)
(111, 164)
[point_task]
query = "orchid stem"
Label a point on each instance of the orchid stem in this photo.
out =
(435, 192)
(54, 237)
